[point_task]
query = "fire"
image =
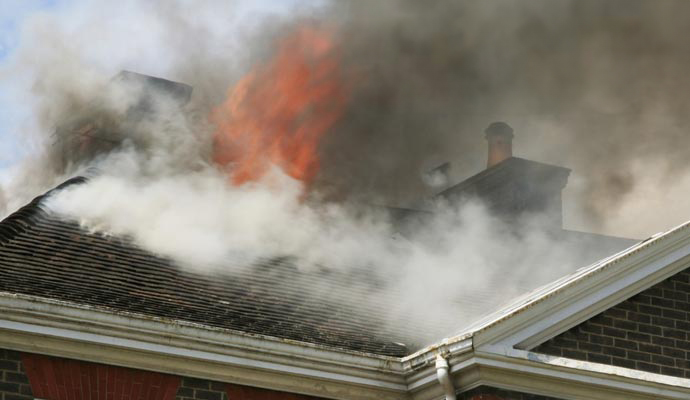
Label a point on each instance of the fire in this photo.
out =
(278, 113)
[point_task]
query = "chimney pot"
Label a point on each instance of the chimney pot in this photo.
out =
(500, 138)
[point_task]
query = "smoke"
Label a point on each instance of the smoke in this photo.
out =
(597, 86)
(61, 74)
(461, 262)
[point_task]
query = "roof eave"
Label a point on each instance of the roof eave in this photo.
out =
(67, 330)
(588, 292)
(565, 378)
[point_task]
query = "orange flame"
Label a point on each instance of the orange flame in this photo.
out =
(277, 114)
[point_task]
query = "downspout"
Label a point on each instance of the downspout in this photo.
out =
(443, 375)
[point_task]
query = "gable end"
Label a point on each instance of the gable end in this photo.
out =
(648, 332)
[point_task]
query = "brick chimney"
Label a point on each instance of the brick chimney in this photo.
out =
(500, 138)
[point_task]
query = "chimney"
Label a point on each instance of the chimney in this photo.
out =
(500, 138)
(513, 188)
(96, 130)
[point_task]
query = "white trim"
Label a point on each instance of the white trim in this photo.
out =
(58, 313)
(589, 293)
(165, 346)
(605, 295)
(498, 351)
(561, 377)
(192, 354)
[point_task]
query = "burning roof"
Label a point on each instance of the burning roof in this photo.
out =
(47, 257)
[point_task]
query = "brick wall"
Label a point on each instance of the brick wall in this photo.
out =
(200, 389)
(14, 385)
(648, 332)
(489, 393)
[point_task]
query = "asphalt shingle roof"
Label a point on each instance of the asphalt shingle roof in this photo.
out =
(42, 255)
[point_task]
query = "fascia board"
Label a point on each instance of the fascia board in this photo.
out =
(56, 328)
(565, 378)
(606, 293)
(619, 279)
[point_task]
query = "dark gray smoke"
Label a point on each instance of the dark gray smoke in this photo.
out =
(600, 86)
(593, 85)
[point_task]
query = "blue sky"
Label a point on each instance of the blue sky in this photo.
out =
(12, 15)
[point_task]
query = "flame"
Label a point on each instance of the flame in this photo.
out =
(278, 113)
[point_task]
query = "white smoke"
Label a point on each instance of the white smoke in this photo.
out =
(200, 220)
(463, 262)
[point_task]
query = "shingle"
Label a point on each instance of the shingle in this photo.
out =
(44, 256)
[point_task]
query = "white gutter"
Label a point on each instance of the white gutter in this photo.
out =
(443, 375)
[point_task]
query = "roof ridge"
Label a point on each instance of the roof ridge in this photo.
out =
(20, 220)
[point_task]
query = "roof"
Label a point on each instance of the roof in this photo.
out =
(584, 276)
(493, 352)
(47, 257)
(510, 168)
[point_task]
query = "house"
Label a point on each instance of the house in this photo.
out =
(84, 315)
(90, 316)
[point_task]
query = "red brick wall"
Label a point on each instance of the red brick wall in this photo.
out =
(64, 379)
(648, 332)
